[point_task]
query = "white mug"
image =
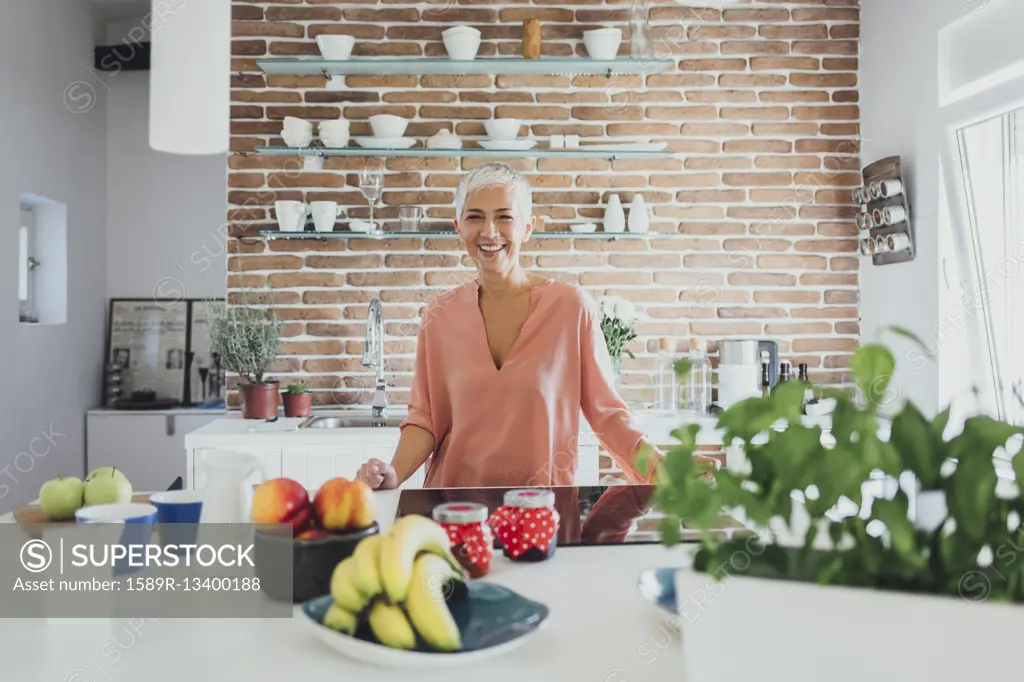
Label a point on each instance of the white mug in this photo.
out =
(557, 141)
(334, 133)
(291, 215)
(324, 215)
(296, 137)
(297, 124)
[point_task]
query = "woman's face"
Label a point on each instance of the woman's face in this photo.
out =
(492, 231)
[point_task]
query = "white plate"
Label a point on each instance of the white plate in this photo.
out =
(375, 654)
(509, 146)
(632, 147)
(385, 142)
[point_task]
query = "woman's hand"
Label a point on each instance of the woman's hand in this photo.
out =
(715, 464)
(378, 475)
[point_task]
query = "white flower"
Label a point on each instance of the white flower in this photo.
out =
(616, 307)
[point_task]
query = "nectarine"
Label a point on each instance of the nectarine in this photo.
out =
(282, 500)
(343, 505)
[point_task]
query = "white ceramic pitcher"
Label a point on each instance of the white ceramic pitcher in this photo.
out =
(228, 496)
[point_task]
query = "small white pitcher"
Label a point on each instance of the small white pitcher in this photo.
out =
(228, 496)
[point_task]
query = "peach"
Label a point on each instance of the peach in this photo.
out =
(343, 505)
(312, 534)
(282, 500)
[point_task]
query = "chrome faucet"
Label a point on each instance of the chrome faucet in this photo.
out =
(373, 356)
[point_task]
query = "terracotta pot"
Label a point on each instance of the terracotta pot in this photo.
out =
(259, 401)
(299, 405)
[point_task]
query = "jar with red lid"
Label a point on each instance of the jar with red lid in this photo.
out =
(469, 536)
(526, 524)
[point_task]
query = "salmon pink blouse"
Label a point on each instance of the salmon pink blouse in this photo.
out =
(517, 425)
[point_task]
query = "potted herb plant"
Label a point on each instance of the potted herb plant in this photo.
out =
(247, 338)
(298, 401)
(887, 594)
(618, 324)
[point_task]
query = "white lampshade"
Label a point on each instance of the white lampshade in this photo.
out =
(190, 77)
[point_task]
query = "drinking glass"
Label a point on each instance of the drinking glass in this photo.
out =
(410, 217)
(371, 184)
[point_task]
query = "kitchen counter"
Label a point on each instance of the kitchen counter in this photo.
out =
(600, 630)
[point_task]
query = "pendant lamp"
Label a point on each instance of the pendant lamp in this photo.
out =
(190, 76)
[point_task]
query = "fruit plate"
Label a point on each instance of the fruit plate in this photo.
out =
(492, 620)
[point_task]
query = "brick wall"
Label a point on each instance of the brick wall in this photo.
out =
(762, 110)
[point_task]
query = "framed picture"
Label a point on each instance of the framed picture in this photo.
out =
(149, 338)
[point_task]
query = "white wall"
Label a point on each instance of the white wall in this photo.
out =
(166, 213)
(54, 113)
(900, 116)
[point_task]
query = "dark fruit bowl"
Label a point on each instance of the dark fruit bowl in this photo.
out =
(294, 570)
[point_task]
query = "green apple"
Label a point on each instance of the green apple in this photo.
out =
(61, 498)
(107, 485)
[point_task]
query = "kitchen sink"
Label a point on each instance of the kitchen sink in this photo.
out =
(361, 421)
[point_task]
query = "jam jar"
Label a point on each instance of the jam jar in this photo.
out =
(526, 524)
(469, 536)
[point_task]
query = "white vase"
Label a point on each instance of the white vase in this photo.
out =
(614, 216)
(879, 635)
(638, 218)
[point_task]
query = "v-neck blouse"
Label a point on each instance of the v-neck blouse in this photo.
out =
(517, 425)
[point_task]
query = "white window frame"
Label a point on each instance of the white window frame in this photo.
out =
(27, 311)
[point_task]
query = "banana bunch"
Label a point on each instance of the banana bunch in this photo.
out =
(399, 584)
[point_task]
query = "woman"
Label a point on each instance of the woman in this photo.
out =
(505, 363)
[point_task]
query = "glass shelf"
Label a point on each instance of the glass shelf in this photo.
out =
(454, 67)
(471, 152)
(347, 234)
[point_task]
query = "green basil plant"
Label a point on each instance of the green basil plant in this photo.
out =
(976, 552)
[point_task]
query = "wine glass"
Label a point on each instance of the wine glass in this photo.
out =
(371, 184)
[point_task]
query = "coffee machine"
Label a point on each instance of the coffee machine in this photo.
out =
(739, 369)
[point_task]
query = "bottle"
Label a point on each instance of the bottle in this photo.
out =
(639, 30)
(667, 393)
(784, 371)
(698, 384)
(806, 381)
(766, 381)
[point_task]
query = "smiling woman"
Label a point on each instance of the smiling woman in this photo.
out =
(506, 363)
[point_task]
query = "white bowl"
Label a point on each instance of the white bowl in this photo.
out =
(299, 138)
(335, 47)
(461, 42)
(602, 43)
(360, 226)
(388, 126)
(584, 227)
(502, 129)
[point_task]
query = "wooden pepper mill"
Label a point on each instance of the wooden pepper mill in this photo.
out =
(531, 39)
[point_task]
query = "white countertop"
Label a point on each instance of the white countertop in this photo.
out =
(173, 411)
(600, 630)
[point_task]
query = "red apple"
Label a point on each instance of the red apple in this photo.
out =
(343, 505)
(282, 500)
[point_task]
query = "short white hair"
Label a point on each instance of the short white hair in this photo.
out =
(496, 175)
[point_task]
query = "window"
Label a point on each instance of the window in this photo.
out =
(991, 155)
(26, 267)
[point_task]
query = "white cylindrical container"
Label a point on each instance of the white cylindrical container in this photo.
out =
(890, 188)
(190, 77)
(878, 218)
(893, 215)
(881, 246)
(875, 190)
(864, 221)
(858, 196)
(897, 242)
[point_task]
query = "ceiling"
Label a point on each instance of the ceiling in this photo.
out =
(115, 10)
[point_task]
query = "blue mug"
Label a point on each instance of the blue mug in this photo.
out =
(177, 513)
(137, 520)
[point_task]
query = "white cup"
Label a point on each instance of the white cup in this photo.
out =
(297, 132)
(291, 215)
(297, 124)
(324, 214)
(335, 47)
(557, 141)
(572, 141)
(334, 133)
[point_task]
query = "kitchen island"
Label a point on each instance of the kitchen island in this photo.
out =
(600, 630)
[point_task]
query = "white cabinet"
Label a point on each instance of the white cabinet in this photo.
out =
(313, 466)
(146, 446)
